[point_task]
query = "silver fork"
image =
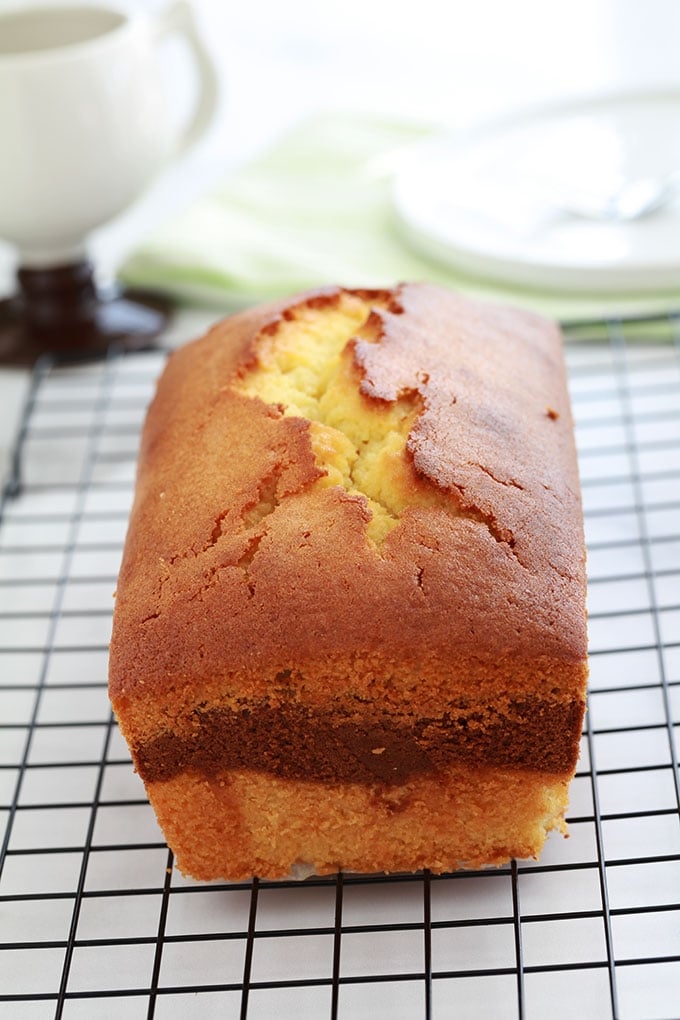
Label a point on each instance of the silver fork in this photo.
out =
(627, 200)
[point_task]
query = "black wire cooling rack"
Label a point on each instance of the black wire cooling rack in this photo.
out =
(96, 923)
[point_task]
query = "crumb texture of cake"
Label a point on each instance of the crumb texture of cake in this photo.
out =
(350, 622)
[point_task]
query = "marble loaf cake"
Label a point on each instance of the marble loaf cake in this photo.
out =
(350, 622)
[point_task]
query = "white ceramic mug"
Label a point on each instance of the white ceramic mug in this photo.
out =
(85, 124)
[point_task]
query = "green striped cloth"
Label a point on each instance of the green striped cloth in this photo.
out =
(315, 209)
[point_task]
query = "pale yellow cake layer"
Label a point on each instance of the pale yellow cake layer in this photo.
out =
(243, 823)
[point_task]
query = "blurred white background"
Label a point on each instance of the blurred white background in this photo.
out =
(458, 62)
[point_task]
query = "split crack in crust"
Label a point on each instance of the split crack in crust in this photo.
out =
(302, 365)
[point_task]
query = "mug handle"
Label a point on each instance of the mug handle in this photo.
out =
(178, 19)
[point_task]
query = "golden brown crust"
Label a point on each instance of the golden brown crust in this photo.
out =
(503, 583)
(248, 586)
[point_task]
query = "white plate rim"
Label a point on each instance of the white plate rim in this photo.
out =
(650, 275)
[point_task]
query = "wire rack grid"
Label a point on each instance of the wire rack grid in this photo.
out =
(96, 922)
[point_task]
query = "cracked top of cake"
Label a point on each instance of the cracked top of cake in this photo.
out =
(352, 479)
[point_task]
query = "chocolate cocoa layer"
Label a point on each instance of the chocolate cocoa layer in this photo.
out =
(293, 742)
